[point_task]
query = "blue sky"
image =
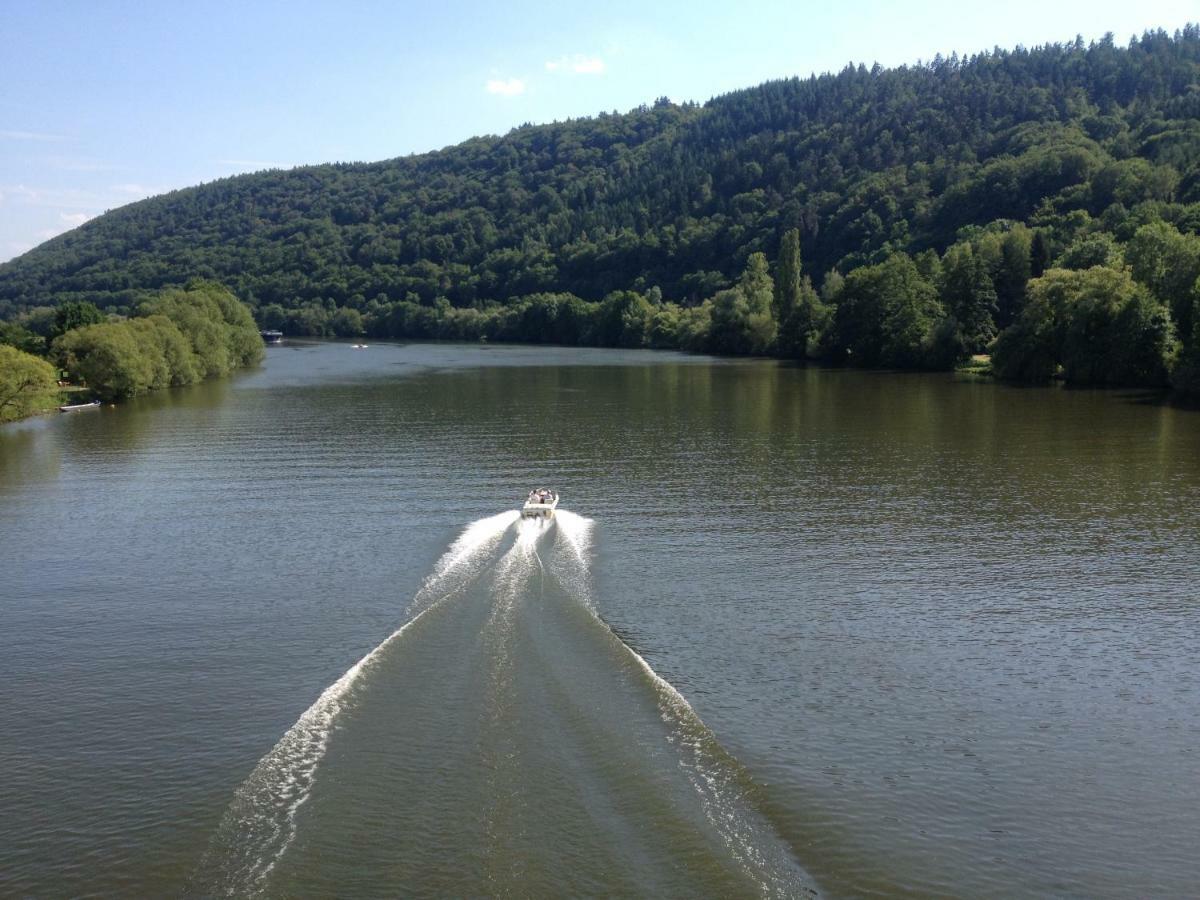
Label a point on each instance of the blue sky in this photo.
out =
(103, 103)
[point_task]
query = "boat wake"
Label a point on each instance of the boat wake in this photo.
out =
(449, 735)
(260, 824)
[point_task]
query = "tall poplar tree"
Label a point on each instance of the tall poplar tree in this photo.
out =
(787, 277)
(799, 311)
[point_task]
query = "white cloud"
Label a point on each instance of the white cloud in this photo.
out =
(30, 136)
(506, 88)
(592, 65)
(577, 64)
(69, 221)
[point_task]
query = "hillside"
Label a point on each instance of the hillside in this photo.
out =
(862, 161)
(1077, 142)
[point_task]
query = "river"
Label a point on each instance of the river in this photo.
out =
(795, 631)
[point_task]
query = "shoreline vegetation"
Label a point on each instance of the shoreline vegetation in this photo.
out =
(1037, 206)
(178, 337)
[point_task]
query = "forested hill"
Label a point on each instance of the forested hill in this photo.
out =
(1072, 140)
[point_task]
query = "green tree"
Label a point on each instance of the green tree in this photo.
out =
(1098, 324)
(967, 294)
(179, 337)
(1030, 348)
(272, 317)
(161, 338)
(799, 312)
(623, 320)
(1012, 274)
(1168, 263)
(16, 335)
(1117, 334)
(1089, 251)
(741, 316)
(1040, 254)
(108, 358)
(347, 323)
(27, 384)
(664, 327)
(695, 325)
(220, 329)
(887, 315)
(1185, 375)
(786, 299)
(75, 314)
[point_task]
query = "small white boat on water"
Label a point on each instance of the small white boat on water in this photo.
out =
(74, 407)
(540, 505)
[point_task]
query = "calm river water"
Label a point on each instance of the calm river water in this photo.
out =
(796, 631)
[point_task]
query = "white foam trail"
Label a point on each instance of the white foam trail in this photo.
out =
(260, 823)
(572, 563)
(510, 571)
(755, 846)
(482, 533)
(576, 530)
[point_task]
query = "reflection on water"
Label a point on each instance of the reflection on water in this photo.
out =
(939, 633)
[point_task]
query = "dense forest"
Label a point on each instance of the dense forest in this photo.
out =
(1043, 204)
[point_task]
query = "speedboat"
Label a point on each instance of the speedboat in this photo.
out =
(540, 505)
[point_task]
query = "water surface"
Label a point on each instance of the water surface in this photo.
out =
(863, 632)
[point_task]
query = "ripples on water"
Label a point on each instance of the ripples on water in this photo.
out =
(585, 772)
(943, 634)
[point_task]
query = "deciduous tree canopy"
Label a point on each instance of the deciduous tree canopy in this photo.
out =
(27, 384)
(180, 337)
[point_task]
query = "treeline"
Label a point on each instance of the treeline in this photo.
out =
(1104, 314)
(177, 337)
(1045, 158)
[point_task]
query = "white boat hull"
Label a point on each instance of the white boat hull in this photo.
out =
(532, 510)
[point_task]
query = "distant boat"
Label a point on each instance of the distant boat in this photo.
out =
(271, 337)
(73, 407)
(540, 505)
